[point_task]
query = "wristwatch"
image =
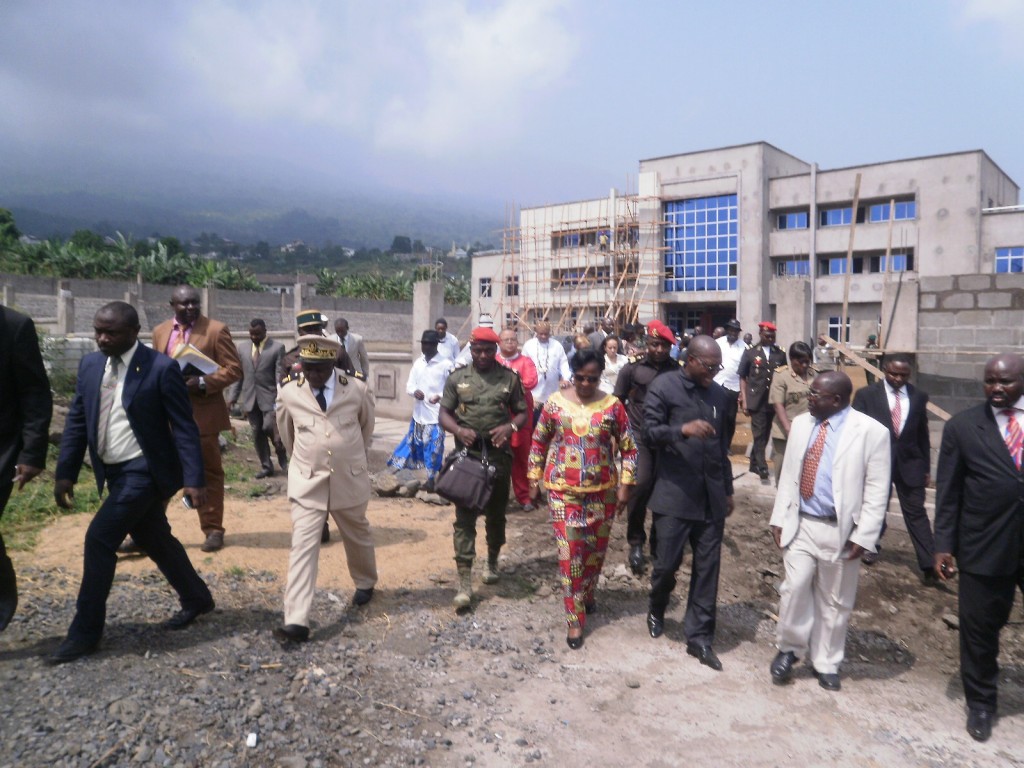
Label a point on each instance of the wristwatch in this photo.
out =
(513, 425)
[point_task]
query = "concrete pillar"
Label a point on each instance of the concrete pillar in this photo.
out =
(287, 319)
(65, 311)
(208, 295)
(791, 317)
(8, 296)
(900, 302)
(427, 306)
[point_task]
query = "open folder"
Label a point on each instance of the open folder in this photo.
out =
(193, 362)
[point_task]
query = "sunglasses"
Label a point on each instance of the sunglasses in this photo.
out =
(586, 379)
(709, 368)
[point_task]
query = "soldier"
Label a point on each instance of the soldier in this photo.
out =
(483, 404)
(310, 322)
(631, 389)
(327, 474)
(757, 367)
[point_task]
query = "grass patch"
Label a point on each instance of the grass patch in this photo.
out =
(33, 508)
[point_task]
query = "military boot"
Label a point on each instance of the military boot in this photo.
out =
(490, 574)
(464, 597)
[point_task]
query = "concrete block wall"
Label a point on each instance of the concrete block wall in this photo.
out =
(963, 320)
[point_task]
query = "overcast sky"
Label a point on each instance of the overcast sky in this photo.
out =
(506, 101)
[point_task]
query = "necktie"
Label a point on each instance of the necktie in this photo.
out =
(255, 355)
(1014, 436)
(321, 399)
(896, 414)
(811, 460)
(108, 389)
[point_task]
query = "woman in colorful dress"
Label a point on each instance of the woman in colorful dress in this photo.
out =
(574, 450)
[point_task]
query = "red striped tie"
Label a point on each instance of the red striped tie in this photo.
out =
(896, 414)
(1014, 436)
(811, 460)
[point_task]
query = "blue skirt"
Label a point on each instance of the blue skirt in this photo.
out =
(422, 446)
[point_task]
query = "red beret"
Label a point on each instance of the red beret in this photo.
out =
(484, 335)
(658, 330)
(767, 326)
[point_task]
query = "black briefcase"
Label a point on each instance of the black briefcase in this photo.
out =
(465, 480)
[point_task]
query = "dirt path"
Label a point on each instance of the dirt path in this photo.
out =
(519, 695)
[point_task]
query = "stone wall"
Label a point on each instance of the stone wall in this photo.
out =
(962, 321)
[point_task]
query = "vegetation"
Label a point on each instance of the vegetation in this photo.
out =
(395, 287)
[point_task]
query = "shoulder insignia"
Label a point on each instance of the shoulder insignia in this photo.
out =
(359, 375)
(343, 379)
(782, 368)
(293, 376)
(637, 358)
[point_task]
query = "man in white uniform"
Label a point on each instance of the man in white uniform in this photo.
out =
(552, 365)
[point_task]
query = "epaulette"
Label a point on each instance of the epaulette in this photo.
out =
(782, 368)
(638, 358)
(293, 376)
(359, 375)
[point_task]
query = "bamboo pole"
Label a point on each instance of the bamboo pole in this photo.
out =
(844, 321)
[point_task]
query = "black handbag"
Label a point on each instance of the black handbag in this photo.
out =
(466, 481)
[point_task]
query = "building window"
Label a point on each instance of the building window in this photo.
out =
(512, 285)
(574, 277)
(485, 287)
(838, 217)
(511, 320)
(903, 211)
(797, 220)
(836, 265)
(902, 261)
(1010, 259)
(702, 244)
(834, 328)
(792, 267)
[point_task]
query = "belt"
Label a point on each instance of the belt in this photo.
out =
(822, 518)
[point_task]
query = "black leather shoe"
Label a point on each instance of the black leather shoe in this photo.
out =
(325, 534)
(828, 680)
(782, 667)
(705, 654)
(7, 608)
(763, 473)
(186, 616)
(264, 473)
(70, 650)
(362, 596)
(655, 625)
(291, 633)
(590, 608)
(8, 593)
(636, 558)
(979, 724)
(574, 642)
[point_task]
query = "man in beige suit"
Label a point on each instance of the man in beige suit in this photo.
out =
(829, 510)
(325, 418)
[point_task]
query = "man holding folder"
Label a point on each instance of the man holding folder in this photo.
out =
(187, 333)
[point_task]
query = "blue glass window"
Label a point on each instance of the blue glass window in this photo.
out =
(903, 211)
(793, 267)
(837, 217)
(792, 220)
(1010, 259)
(701, 233)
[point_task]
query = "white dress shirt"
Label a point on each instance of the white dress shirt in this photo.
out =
(449, 346)
(729, 376)
(1002, 419)
(328, 388)
(901, 393)
(428, 376)
(552, 365)
(121, 443)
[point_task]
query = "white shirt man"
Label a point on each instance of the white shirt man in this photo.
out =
(732, 351)
(551, 362)
(428, 377)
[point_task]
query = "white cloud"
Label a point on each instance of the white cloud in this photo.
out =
(1006, 17)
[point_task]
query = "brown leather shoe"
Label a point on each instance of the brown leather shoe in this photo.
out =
(214, 541)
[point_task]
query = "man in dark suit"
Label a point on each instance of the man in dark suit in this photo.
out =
(757, 367)
(25, 408)
(206, 393)
(684, 420)
(902, 409)
(979, 520)
(131, 410)
(256, 391)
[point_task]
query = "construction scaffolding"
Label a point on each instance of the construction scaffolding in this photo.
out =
(573, 263)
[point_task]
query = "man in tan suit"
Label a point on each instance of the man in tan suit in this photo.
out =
(325, 417)
(213, 339)
(829, 509)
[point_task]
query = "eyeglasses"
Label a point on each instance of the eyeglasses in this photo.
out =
(814, 394)
(586, 379)
(709, 368)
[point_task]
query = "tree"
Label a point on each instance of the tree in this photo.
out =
(401, 244)
(87, 239)
(173, 245)
(8, 231)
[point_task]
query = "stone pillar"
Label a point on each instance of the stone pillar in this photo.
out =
(65, 309)
(900, 299)
(8, 298)
(427, 306)
(208, 295)
(791, 298)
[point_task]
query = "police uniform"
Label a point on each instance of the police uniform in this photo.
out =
(631, 388)
(327, 473)
(482, 401)
(756, 370)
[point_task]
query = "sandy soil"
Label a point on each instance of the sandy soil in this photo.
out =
(626, 699)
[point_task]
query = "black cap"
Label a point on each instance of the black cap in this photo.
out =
(734, 324)
(430, 337)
